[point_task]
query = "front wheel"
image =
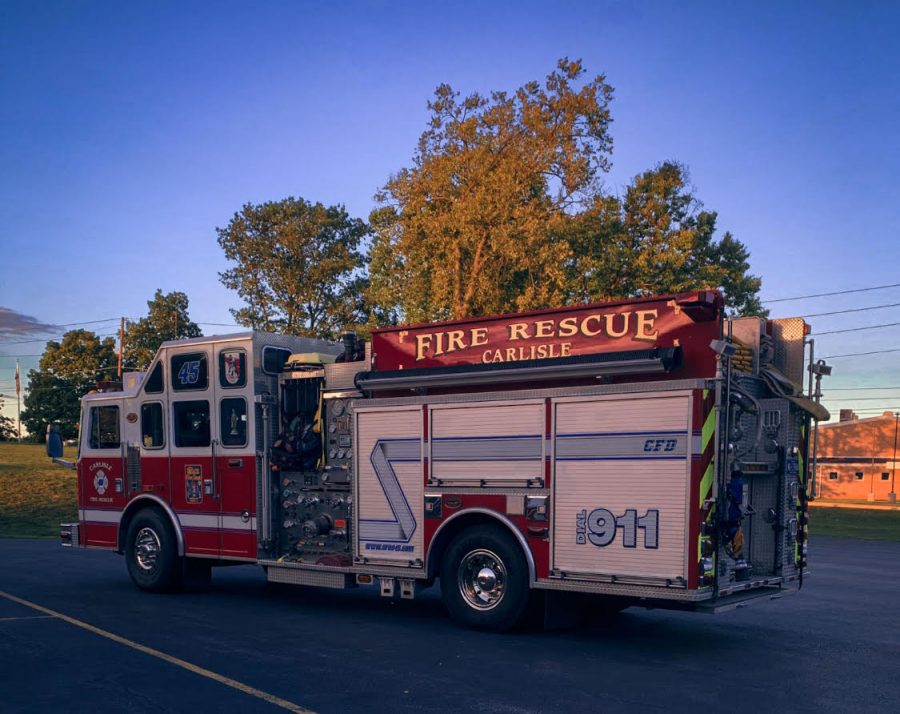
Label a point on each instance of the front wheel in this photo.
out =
(484, 579)
(151, 554)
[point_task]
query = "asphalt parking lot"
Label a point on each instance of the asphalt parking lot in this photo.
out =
(246, 646)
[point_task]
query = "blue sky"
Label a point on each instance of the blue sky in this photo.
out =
(129, 131)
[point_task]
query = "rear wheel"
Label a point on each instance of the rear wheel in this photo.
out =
(484, 579)
(151, 554)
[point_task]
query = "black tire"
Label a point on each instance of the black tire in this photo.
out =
(497, 600)
(151, 553)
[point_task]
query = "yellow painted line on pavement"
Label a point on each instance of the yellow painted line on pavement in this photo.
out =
(221, 679)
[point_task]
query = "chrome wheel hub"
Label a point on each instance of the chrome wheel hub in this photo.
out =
(146, 549)
(482, 579)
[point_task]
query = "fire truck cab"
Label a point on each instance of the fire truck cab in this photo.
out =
(648, 452)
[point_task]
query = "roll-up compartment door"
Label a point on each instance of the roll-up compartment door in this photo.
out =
(495, 444)
(620, 486)
(390, 488)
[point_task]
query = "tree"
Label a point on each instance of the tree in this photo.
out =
(298, 267)
(468, 228)
(502, 210)
(657, 240)
(167, 319)
(7, 426)
(67, 370)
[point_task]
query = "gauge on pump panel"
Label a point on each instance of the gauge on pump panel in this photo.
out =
(332, 453)
(338, 408)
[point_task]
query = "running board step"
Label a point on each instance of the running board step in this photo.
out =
(317, 578)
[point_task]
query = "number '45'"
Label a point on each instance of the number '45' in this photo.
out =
(600, 527)
(189, 372)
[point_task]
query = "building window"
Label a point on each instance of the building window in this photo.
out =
(104, 428)
(885, 476)
(189, 371)
(832, 476)
(191, 421)
(152, 432)
(858, 475)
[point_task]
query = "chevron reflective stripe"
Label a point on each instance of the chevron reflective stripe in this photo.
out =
(709, 428)
(706, 484)
(494, 448)
(384, 454)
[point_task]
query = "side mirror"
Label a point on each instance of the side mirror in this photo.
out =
(54, 442)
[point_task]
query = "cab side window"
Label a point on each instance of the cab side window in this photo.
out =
(154, 382)
(191, 423)
(233, 421)
(152, 431)
(189, 371)
(104, 428)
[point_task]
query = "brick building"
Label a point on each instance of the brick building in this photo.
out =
(857, 457)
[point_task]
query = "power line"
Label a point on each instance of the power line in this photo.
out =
(857, 329)
(889, 397)
(52, 337)
(856, 389)
(837, 292)
(56, 333)
(876, 411)
(855, 309)
(862, 354)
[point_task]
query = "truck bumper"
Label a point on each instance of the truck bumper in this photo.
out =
(69, 536)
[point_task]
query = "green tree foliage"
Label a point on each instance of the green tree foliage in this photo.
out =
(468, 228)
(502, 210)
(656, 239)
(167, 319)
(68, 369)
(7, 426)
(298, 267)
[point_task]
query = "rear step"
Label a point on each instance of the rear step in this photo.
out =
(742, 599)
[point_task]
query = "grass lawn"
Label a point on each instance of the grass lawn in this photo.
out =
(855, 523)
(35, 494)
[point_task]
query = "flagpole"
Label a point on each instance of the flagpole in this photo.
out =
(18, 406)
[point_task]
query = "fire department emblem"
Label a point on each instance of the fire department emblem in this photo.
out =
(233, 367)
(101, 482)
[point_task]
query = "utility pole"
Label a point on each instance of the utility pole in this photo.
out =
(892, 496)
(121, 345)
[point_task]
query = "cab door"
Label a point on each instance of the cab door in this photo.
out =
(101, 471)
(191, 414)
(234, 455)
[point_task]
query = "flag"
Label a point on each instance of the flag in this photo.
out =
(18, 383)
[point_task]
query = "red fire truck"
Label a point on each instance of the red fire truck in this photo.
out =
(646, 452)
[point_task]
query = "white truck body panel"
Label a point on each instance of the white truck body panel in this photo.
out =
(621, 454)
(389, 489)
(497, 443)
